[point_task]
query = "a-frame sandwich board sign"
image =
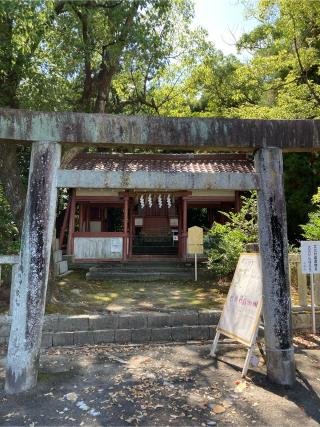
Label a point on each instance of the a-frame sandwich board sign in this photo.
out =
(240, 318)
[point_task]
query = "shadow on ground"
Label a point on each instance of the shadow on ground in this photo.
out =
(161, 385)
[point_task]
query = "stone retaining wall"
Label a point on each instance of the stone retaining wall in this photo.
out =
(123, 328)
(60, 330)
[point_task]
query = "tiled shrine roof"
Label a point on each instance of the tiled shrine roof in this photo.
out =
(171, 163)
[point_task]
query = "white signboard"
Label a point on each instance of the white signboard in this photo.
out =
(116, 245)
(241, 312)
(310, 257)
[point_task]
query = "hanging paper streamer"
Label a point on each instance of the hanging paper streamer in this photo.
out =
(160, 201)
(169, 203)
(142, 204)
(150, 201)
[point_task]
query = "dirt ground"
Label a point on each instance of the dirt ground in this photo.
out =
(161, 385)
(74, 295)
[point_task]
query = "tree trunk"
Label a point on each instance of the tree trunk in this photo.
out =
(13, 187)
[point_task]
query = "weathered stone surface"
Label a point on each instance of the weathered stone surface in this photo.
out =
(51, 324)
(105, 336)
(31, 278)
(9, 259)
(122, 336)
(218, 134)
(158, 320)
(180, 333)
(73, 323)
(141, 335)
(274, 265)
(160, 180)
(83, 338)
(199, 332)
(184, 318)
(161, 334)
(108, 321)
(303, 320)
(132, 321)
(62, 267)
(209, 317)
(212, 332)
(46, 340)
(57, 256)
(62, 338)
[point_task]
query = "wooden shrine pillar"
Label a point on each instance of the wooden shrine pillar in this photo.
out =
(125, 227)
(31, 280)
(184, 226)
(64, 225)
(71, 223)
(237, 201)
(274, 263)
(131, 226)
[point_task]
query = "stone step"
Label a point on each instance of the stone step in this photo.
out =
(61, 267)
(144, 264)
(129, 336)
(155, 250)
(57, 256)
(135, 268)
(138, 275)
(57, 244)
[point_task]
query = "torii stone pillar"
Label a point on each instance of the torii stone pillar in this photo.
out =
(32, 277)
(274, 262)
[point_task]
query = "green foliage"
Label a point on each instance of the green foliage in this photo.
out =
(311, 230)
(225, 242)
(223, 246)
(9, 242)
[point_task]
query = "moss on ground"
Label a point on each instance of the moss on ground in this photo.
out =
(74, 295)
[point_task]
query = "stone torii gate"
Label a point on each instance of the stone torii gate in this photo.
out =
(48, 131)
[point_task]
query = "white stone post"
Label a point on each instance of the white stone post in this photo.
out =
(274, 262)
(32, 276)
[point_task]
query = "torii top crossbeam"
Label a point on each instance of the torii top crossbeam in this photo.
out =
(209, 134)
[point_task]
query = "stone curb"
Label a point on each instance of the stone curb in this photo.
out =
(129, 336)
(133, 320)
(59, 330)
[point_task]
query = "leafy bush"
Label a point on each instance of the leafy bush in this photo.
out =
(311, 230)
(224, 242)
(9, 241)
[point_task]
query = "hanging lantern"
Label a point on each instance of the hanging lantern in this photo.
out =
(150, 201)
(169, 203)
(142, 204)
(160, 201)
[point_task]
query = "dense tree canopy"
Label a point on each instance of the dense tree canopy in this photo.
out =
(144, 57)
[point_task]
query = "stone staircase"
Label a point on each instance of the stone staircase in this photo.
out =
(60, 265)
(148, 270)
(154, 245)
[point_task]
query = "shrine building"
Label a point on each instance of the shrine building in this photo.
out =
(146, 217)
